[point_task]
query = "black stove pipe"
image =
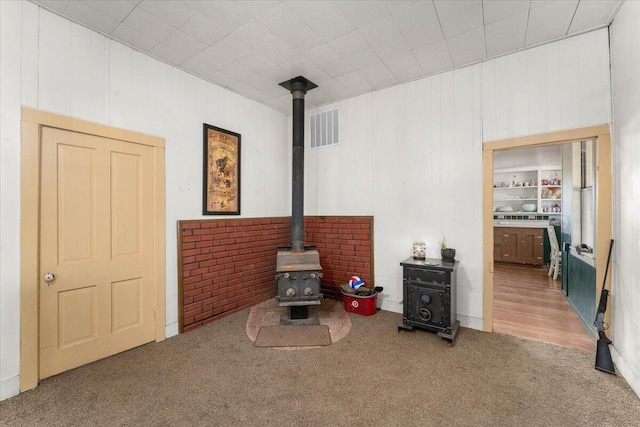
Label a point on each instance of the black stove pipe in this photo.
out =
(298, 87)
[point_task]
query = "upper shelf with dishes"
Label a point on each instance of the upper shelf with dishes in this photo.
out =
(531, 191)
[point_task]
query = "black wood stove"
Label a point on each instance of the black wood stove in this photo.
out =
(298, 269)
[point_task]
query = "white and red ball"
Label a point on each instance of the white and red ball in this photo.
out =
(355, 282)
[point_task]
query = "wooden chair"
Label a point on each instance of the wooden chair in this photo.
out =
(556, 256)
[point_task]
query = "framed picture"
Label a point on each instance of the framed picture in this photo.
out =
(221, 176)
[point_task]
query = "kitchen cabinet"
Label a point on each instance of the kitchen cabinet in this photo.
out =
(539, 188)
(518, 245)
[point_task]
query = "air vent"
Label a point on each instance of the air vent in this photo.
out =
(325, 128)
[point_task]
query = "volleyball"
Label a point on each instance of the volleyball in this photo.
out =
(355, 282)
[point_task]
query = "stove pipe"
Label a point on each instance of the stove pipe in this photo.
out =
(298, 87)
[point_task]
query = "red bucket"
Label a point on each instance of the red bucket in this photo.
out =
(363, 305)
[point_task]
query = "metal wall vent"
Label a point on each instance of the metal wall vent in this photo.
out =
(325, 128)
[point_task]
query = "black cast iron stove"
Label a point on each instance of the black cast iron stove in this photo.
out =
(298, 267)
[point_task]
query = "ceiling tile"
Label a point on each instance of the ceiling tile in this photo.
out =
(198, 67)
(254, 8)
(516, 24)
(173, 12)
(396, 6)
(169, 54)
(400, 62)
(362, 58)
(276, 74)
(323, 17)
(408, 74)
(278, 51)
(507, 34)
(503, 45)
(147, 24)
(354, 81)
(236, 69)
(348, 44)
(116, 9)
(248, 91)
(336, 68)
(266, 85)
(495, 10)
(287, 26)
(227, 14)
(549, 21)
(592, 14)
(299, 66)
(437, 65)
(361, 13)
(55, 5)
(213, 58)
(230, 47)
(379, 31)
(133, 38)
(224, 79)
(431, 52)
(462, 22)
(466, 40)
(185, 43)
(257, 62)
(348, 47)
(375, 71)
(321, 55)
(384, 81)
(391, 47)
(80, 12)
(448, 8)
(469, 55)
(200, 28)
(255, 35)
(311, 72)
(419, 24)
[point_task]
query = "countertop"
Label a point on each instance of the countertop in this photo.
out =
(521, 224)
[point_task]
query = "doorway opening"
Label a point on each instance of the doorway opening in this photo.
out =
(542, 202)
(601, 207)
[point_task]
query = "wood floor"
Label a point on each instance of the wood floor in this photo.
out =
(529, 304)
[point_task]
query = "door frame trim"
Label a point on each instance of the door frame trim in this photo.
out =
(602, 135)
(31, 130)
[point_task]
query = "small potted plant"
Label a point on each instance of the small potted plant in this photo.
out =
(448, 254)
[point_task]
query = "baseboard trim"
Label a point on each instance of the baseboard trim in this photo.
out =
(626, 370)
(9, 387)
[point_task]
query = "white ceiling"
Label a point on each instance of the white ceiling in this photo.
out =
(346, 47)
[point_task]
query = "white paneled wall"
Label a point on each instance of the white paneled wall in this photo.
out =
(411, 157)
(562, 85)
(625, 292)
(52, 64)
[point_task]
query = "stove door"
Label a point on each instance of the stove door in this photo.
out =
(428, 305)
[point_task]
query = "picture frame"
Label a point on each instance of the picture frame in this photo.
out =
(221, 171)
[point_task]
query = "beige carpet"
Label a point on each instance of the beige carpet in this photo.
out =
(293, 336)
(374, 376)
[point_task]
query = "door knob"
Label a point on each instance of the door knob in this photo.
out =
(49, 277)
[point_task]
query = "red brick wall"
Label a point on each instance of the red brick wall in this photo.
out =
(228, 265)
(345, 244)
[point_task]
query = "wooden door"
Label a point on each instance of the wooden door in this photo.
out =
(96, 238)
(498, 234)
(512, 245)
(532, 245)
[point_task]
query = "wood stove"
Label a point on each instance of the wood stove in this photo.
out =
(298, 267)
